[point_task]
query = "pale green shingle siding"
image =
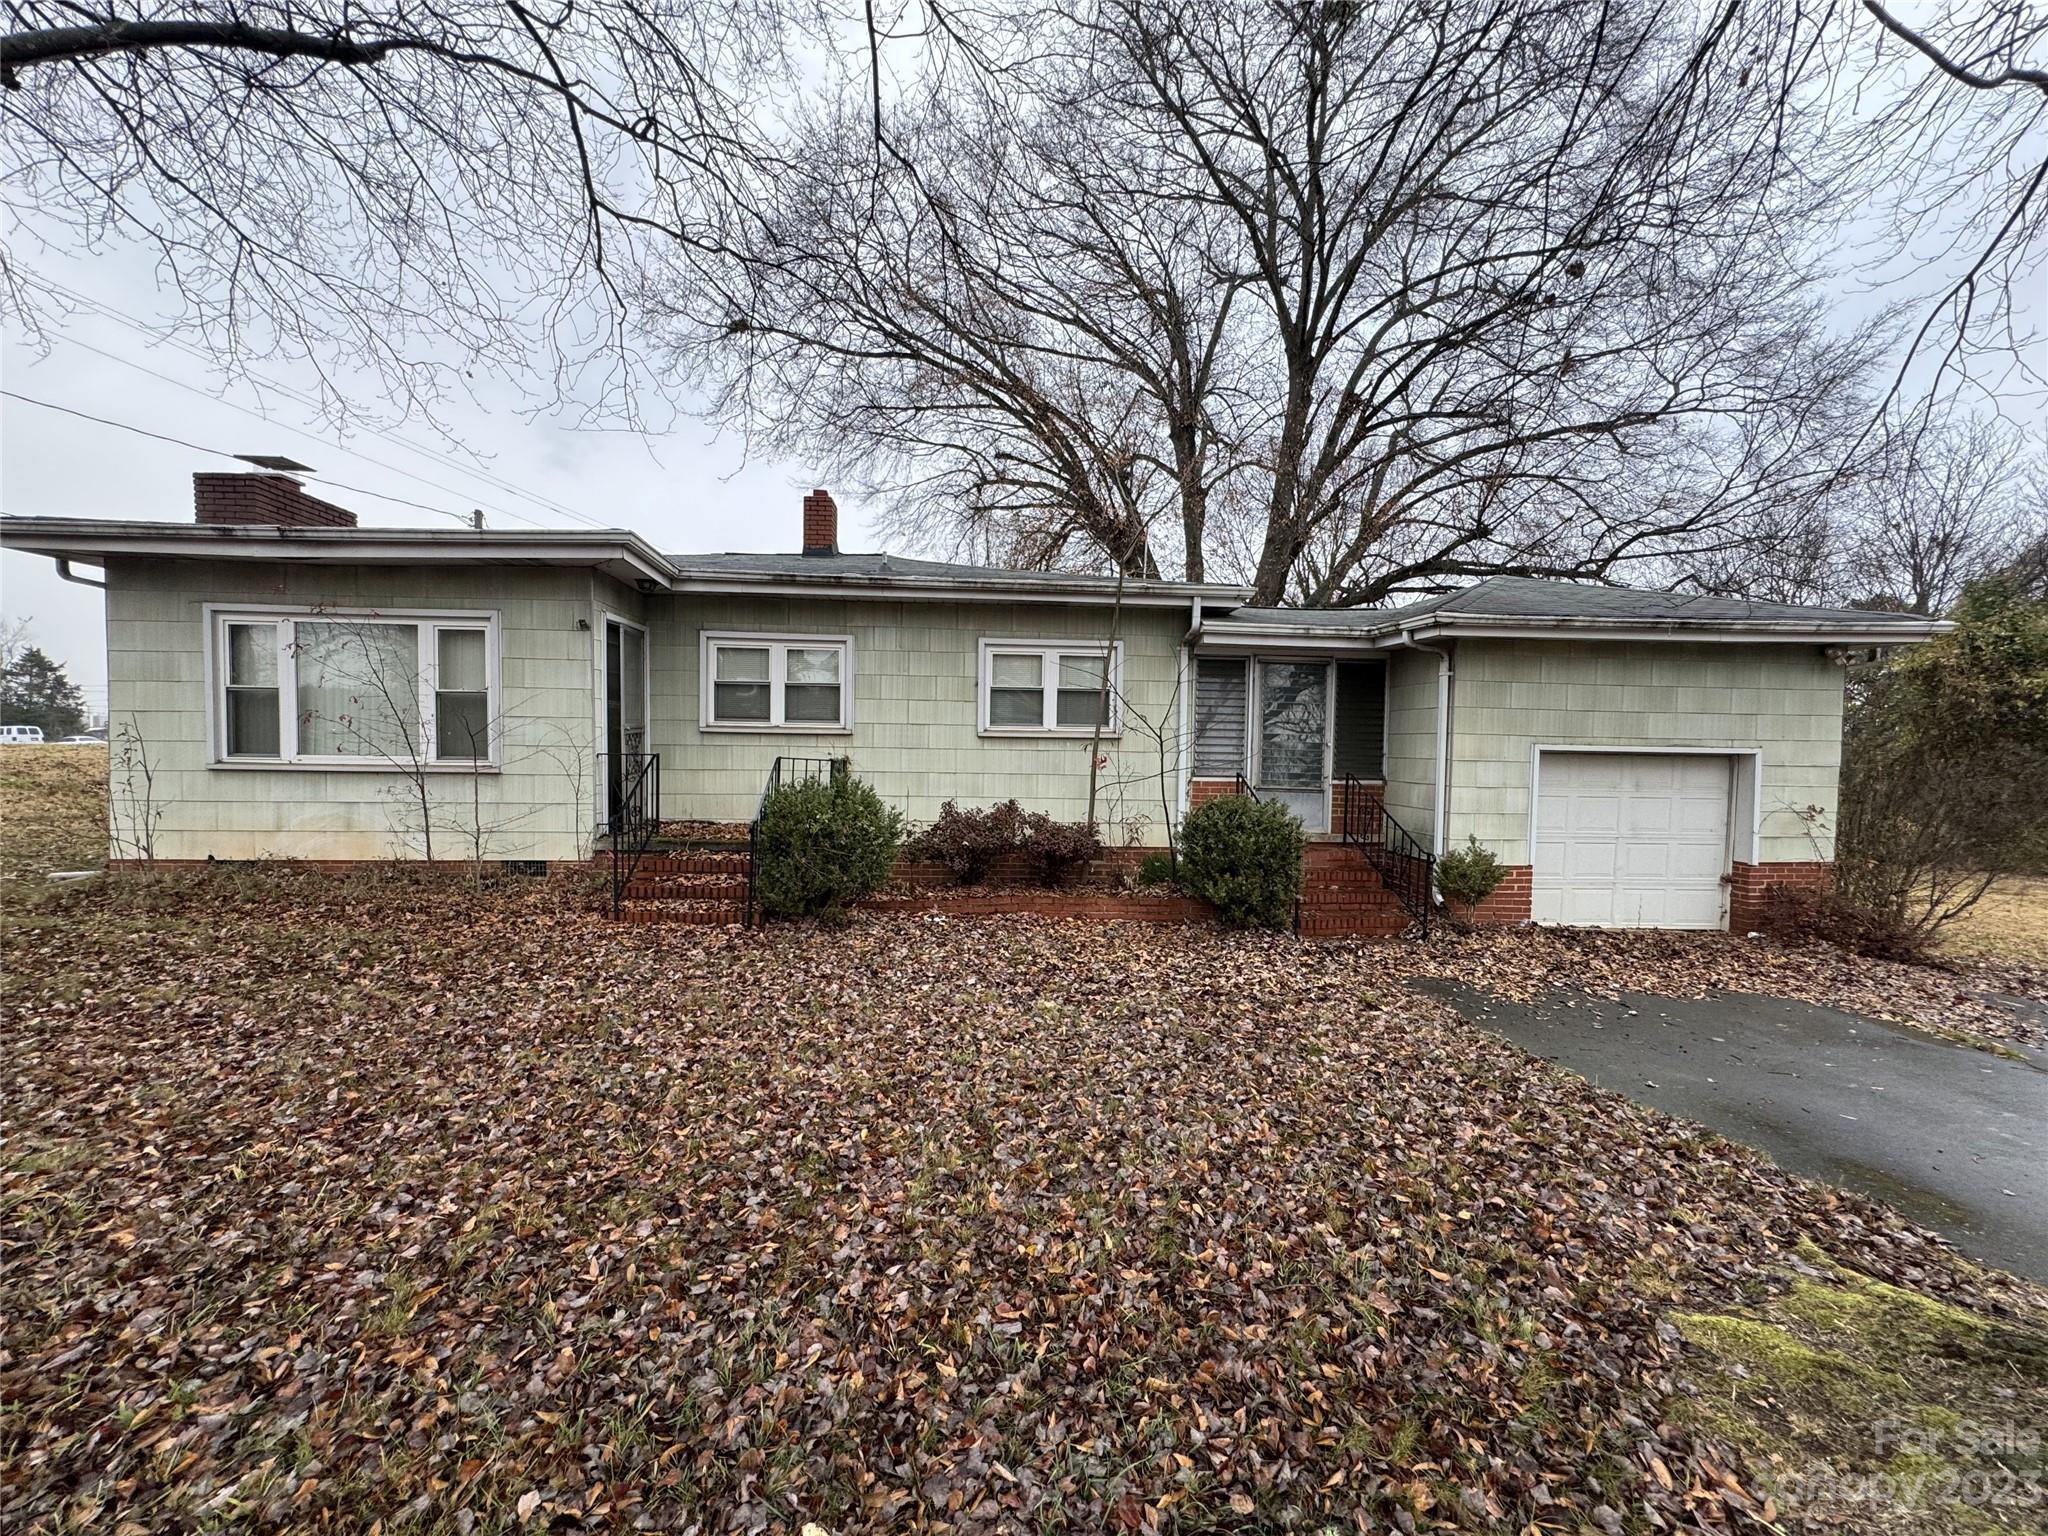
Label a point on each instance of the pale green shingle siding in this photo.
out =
(916, 710)
(538, 807)
(1411, 742)
(1511, 695)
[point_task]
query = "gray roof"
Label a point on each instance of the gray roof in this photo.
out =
(1525, 597)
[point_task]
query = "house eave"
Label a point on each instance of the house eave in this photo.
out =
(1176, 595)
(1226, 634)
(94, 541)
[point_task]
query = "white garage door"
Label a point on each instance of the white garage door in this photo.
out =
(1631, 840)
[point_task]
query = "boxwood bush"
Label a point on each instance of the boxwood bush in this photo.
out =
(1470, 874)
(822, 846)
(1243, 857)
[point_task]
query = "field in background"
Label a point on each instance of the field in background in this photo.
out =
(53, 810)
(2011, 921)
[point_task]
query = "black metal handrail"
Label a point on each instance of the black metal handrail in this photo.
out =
(1403, 864)
(634, 816)
(800, 770)
(1244, 787)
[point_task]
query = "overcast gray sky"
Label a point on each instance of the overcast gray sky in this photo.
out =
(685, 490)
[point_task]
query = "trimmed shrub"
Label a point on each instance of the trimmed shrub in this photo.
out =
(822, 846)
(1053, 849)
(1157, 869)
(1243, 857)
(1470, 874)
(969, 842)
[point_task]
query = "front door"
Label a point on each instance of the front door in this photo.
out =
(1293, 720)
(625, 706)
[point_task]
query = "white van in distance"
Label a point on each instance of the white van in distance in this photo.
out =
(21, 735)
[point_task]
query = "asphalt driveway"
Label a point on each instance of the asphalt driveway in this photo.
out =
(1955, 1138)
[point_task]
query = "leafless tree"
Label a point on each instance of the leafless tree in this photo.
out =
(1342, 300)
(1921, 510)
(1942, 507)
(137, 810)
(1953, 116)
(425, 188)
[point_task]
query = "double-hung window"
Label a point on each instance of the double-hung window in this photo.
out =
(777, 683)
(344, 690)
(1042, 688)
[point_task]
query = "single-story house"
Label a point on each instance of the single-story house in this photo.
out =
(306, 688)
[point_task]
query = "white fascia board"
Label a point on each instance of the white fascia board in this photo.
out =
(93, 542)
(927, 591)
(1633, 631)
(1224, 637)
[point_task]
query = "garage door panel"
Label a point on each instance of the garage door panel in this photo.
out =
(1632, 840)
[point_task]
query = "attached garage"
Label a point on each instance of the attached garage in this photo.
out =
(1633, 839)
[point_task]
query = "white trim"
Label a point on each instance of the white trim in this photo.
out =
(837, 584)
(1050, 650)
(1754, 831)
(606, 617)
(427, 623)
(778, 646)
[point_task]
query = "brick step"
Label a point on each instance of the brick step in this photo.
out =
(687, 888)
(700, 913)
(1376, 927)
(664, 865)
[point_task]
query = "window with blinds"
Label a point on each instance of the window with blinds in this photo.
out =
(1220, 711)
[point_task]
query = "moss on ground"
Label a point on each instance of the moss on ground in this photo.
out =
(1863, 1406)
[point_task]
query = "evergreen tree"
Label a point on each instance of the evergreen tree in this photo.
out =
(34, 690)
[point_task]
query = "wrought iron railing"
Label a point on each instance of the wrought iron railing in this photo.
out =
(1244, 787)
(1404, 865)
(633, 816)
(785, 770)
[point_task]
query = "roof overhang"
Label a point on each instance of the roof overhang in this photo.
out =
(94, 541)
(1228, 634)
(1137, 594)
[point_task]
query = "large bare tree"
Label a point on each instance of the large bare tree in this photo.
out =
(419, 188)
(1345, 300)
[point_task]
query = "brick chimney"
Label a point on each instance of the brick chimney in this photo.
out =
(263, 499)
(821, 524)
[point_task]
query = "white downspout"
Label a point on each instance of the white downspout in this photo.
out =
(1186, 754)
(1440, 797)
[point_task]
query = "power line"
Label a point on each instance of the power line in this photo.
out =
(498, 482)
(128, 362)
(353, 490)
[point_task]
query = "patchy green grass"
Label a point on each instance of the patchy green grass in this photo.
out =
(1858, 1403)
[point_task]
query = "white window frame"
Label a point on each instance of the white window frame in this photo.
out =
(1050, 652)
(778, 647)
(427, 621)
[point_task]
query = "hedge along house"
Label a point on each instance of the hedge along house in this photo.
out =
(305, 688)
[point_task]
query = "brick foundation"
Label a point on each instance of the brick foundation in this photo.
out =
(1357, 806)
(1202, 791)
(1508, 904)
(1750, 887)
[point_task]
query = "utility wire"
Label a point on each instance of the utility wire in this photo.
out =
(129, 362)
(157, 337)
(353, 490)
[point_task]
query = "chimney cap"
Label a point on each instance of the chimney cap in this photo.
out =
(275, 461)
